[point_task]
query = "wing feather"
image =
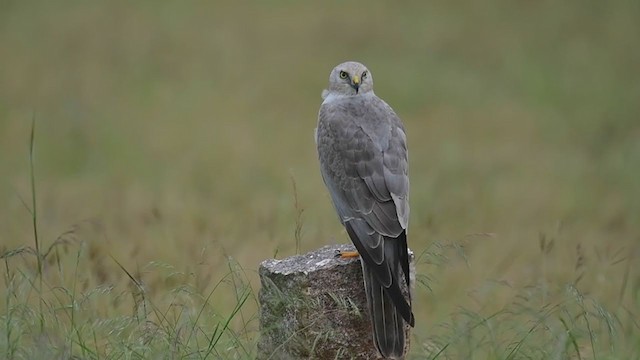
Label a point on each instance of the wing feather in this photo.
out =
(367, 161)
(363, 157)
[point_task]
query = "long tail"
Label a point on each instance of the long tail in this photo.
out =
(383, 267)
(387, 319)
(388, 325)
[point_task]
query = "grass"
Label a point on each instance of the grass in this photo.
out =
(72, 321)
(174, 152)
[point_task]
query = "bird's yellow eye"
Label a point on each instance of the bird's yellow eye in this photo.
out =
(343, 75)
(364, 75)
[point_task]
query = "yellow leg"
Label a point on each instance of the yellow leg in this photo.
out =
(346, 254)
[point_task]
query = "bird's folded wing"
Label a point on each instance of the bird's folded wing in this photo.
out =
(364, 164)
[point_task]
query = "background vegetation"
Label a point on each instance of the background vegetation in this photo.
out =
(169, 136)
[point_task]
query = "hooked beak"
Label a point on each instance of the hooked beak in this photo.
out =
(355, 83)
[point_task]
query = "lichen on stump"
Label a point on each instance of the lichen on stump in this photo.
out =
(314, 306)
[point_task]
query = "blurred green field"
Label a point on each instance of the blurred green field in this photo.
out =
(169, 136)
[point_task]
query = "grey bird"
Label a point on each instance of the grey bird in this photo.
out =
(363, 160)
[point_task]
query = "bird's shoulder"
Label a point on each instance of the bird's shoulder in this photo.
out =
(360, 118)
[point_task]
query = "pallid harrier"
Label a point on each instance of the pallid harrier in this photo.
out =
(363, 160)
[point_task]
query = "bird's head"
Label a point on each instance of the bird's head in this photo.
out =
(350, 78)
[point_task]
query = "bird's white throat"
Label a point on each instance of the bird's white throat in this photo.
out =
(330, 96)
